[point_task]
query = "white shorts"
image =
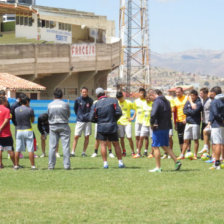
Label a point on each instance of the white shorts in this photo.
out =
(138, 128)
(171, 132)
(217, 135)
(95, 134)
(192, 132)
(146, 131)
(5, 148)
(84, 127)
(24, 139)
(124, 130)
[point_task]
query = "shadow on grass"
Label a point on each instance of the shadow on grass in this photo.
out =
(182, 170)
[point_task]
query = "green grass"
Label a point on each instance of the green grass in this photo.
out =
(90, 194)
(9, 38)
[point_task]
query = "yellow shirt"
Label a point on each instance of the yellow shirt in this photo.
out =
(126, 107)
(138, 107)
(179, 103)
(147, 108)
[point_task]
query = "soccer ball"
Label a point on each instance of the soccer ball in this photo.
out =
(189, 155)
(205, 156)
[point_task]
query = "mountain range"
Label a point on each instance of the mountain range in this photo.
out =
(208, 62)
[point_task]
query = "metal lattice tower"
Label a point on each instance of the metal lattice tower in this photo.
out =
(135, 53)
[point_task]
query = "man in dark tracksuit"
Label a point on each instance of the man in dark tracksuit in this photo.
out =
(161, 124)
(106, 112)
(82, 109)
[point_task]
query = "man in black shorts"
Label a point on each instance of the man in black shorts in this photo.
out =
(106, 112)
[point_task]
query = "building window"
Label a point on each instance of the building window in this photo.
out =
(30, 21)
(52, 24)
(25, 21)
(69, 27)
(33, 96)
(21, 20)
(17, 20)
(43, 23)
(39, 23)
(47, 24)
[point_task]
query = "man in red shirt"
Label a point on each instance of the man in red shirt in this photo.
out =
(6, 141)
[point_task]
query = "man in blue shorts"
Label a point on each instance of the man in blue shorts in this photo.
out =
(161, 124)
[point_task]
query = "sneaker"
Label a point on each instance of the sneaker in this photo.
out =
(84, 154)
(169, 157)
(180, 157)
(1, 166)
(177, 165)
(121, 165)
(145, 153)
(33, 168)
(36, 156)
(94, 155)
(50, 168)
(156, 170)
(204, 150)
(165, 156)
(133, 154)
(72, 154)
(215, 167)
(136, 156)
(151, 156)
(21, 156)
(124, 154)
(105, 166)
(111, 155)
(194, 158)
(58, 155)
(42, 155)
(210, 161)
(67, 168)
(16, 167)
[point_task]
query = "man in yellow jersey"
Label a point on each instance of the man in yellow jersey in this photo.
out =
(124, 123)
(146, 130)
(139, 115)
(180, 118)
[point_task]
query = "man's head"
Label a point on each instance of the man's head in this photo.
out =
(84, 92)
(204, 93)
(153, 94)
(148, 99)
(215, 91)
(58, 94)
(3, 100)
(120, 96)
(179, 92)
(100, 92)
(24, 101)
(194, 95)
(2, 93)
(142, 93)
(21, 95)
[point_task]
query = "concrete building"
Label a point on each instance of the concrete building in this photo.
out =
(82, 51)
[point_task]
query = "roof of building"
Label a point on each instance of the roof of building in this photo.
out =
(12, 82)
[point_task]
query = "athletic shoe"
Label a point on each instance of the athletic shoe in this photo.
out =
(169, 157)
(156, 170)
(42, 155)
(165, 156)
(1, 166)
(33, 168)
(111, 155)
(180, 157)
(72, 154)
(84, 154)
(105, 166)
(50, 168)
(124, 154)
(67, 168)
(36, 156)
(121, 166)
(21, 156)
(194, 158)
(133, 154)
(151, 156)
(58, 155)
(94, 155)
(210, 161)
(177, 165)
(204, 150)
(215, 167)
(136, 156)
(145, 153)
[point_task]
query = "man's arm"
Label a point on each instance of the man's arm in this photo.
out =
(76, 105)
(32, 118)
(118, 111)
(154, 111)
(92, 114)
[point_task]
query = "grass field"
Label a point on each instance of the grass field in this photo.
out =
(90, 194)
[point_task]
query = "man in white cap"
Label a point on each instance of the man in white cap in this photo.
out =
(106, 112)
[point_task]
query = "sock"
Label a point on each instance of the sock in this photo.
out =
(205, 147)
(195, 155)
(124, 150)
(105, 163)
(146, 150)
(182, 155)
(73, 153)
(96, 151)
(217, 163)
(110, 150)
(120, 162)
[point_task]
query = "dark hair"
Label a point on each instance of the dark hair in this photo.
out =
(119, 95)
(101, 94)
(27, 99)
(2, 99)
(21, 95)
(181, 89)
(158, 92)
(204, 90)
(194, 92)
(216, 89)
(45, 116)
(23, 100)
(142, 90)
(84, 88)
(2, 92)
(58, 94)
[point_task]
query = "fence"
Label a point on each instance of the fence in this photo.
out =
(40, 107)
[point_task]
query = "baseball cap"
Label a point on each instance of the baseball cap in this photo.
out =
(99, 91)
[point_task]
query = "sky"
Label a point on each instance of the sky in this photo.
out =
(175, 25)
